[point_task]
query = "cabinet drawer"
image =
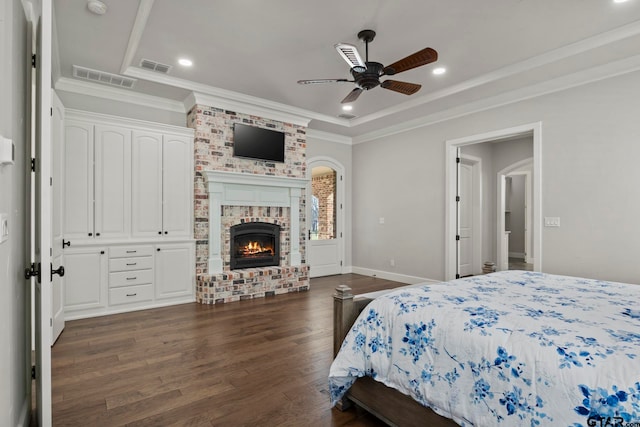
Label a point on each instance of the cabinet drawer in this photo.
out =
(128, 264)
(130, 294)
(128, 278)
(130, 251)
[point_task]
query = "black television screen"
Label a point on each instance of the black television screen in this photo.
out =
(258, 143)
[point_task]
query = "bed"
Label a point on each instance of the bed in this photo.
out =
(509, 348)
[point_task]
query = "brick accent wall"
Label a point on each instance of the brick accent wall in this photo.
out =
(213, 150)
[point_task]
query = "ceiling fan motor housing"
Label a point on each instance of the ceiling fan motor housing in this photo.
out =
(369, 78)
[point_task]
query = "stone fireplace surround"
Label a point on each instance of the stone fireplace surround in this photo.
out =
(226, 189)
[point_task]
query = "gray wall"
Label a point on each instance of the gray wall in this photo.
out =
(342, 153)
(14, 312)
(590, 146)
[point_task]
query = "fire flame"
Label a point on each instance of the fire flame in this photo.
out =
(255, 248)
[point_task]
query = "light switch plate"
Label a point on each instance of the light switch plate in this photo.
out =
(7, 154)
(551, 221)
(4, 227)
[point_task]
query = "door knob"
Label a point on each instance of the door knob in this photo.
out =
(59, 271)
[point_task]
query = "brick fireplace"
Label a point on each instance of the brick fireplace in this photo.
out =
(230, 191)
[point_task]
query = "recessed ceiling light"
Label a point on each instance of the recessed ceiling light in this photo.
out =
(185, 62)
(439, 70)
(97, 7)
(347, 107)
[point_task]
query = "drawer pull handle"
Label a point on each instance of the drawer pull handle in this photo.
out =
(132, 295)
(131, 278)
(132, 263)
(131, 252)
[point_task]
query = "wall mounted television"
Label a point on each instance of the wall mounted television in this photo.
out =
(258, 143)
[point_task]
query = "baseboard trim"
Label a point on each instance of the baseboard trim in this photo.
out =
(402, 278)
(516, 255)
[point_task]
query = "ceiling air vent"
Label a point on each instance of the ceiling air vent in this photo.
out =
(346, 116)
(155, 66)
(103, 77)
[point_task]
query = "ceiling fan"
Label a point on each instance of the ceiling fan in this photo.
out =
(366, 74)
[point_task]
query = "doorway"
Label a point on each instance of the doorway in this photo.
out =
(470, 215)
(452, 232)
(325, 216)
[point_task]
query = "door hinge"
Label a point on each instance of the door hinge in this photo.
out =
(33, 372)
(50, 181)
(457, 237)
(457, 276)
(51, 111)
(33, 164)
(340, 205)
(457, 159)
(340, 263)
(340, 177)
(341, 234)
(50, 321)
(33, 60)
(457, 198)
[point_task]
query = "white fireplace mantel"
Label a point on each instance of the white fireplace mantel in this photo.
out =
(244, 189)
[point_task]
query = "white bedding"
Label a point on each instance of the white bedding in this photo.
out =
(509, 348)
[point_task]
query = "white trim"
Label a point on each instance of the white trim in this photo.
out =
(450, 154)
(402, 278)
(71, 113)
(243, 189)
(144, 10)
(580, 78)
(341, 230)
(117, 94)
(328, 136)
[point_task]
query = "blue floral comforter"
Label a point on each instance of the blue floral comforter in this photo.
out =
(510, 348)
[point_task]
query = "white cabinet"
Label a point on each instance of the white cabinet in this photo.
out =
(112, 181)
(116, 278)
(128, 213)
(173, 263)
(78, 180)
(85, 272)
(97, 181)
(161, 185)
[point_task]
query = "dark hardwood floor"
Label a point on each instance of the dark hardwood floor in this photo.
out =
(261, 362)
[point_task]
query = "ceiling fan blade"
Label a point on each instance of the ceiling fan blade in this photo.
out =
(401, 87)
(418, 59)
(308, 82)
(350, 54)
(353, 95)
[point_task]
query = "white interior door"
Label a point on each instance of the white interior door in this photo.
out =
(466, 220)
(42, 215)
(57, 257)
(325, 218)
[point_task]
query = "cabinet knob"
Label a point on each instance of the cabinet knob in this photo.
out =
(166, 232)
(158, 249)
(97, 234)
(159, 232)
(90, 234)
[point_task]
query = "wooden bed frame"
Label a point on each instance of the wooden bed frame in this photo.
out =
(387, 404)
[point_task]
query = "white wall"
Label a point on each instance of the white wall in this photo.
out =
(14, 313)
(341, 153)
(590, 146)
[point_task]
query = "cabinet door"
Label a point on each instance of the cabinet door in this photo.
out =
(112, 181)
(84, 270)
(77, 194)
(177, 181)
(146, 190)
(174, 270)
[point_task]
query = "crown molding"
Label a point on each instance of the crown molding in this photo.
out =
(593, 42)
(328, 136)
(116, 94)
(241, 102)
(197, 98)
(580, 78)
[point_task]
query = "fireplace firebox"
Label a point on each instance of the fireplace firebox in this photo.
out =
(254, 244)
